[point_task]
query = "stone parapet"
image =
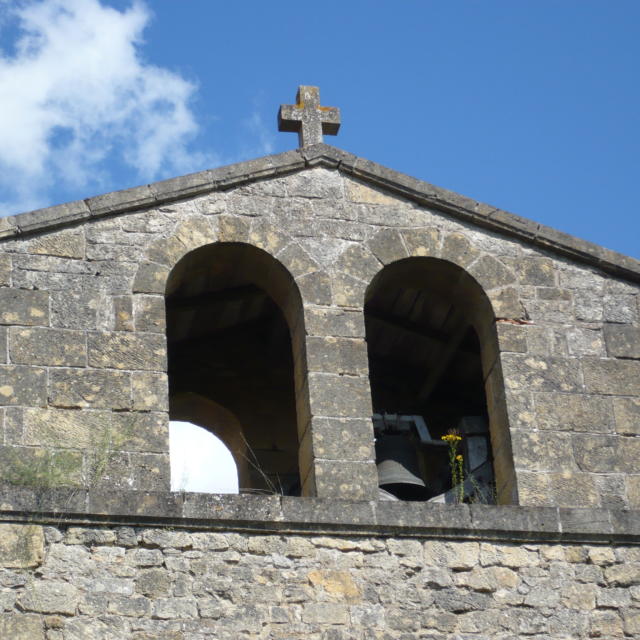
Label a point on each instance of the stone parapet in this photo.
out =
(282, 514)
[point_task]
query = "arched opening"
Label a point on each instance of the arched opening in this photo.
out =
(231, 310)
(431, 344)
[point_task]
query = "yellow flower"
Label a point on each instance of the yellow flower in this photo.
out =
(451, 437)
(459, 458)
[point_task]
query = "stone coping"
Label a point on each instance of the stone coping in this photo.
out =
(280, 514)
(324, 155)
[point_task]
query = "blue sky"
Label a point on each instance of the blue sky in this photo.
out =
(531, 106)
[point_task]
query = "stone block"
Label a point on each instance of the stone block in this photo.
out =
(266, 236)
(326, 511)
(343, 439)
(572, 489)
(623, 575)
(387, 246)
(553, 293)
(166, 252)
(52, 347)
(100, 431)
(522, 413)
(457, 248)
(232, 228)
(550, 311)
(22, 385)
(110, 469)
(297, 261)
(542, 450)
(77, 309)
(358, 262)
(89, 388)
(65, 244)
(337, 355)
(24, 307)
(631, 619)
(195, 231)
(122, 313)
(612, 490)
(241, 508)
(21, 626)
(149, 313)
(50, 596)
(325, 613)
(39, 467)
(34, 498)
(150, 278)
(491, 273)
(3, 345)
(348, 291)
(339, 396)
(21, 546)
(620, 308)
(422, 242)
(506, 303)
(363, 193)
(5, 270)
(346, 480)
(627, 415)
(120, 350)
(614, 377)
(316, 183)
(150, 391)
(588, 306)
(585, 342)
(534, 373)
(533, 489)
(513, 518)
(623, 341)
(334, 322)
(511, 337)
(315, 288)
(574, 412)
(536, 271)
(595, 453)
(546, 341)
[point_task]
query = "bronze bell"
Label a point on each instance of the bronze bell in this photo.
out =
(398, 468)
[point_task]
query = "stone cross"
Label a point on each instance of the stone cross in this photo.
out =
(308, 118)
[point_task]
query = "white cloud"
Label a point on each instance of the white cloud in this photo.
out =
(76, 95)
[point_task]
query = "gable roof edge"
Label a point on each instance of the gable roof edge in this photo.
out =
(423, 193)
(476, 212)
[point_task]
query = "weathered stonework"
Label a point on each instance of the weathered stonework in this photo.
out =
(82, 314)
(84, 402)
(358, 571)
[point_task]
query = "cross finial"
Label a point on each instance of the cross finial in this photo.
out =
(308, 118)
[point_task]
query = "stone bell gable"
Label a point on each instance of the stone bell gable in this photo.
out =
(83, 335)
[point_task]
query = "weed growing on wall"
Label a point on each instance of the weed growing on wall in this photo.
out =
(456, 463)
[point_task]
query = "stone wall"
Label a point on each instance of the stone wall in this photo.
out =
(321, 571)
(83, 386)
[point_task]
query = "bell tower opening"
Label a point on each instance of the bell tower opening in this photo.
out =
(230, 359)
(425, 320)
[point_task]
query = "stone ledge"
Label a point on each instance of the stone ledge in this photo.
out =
(227, 177)
(278, 514)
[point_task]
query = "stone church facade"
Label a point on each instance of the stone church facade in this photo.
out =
(282, 302)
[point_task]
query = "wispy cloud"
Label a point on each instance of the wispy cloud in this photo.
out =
(76, 95)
